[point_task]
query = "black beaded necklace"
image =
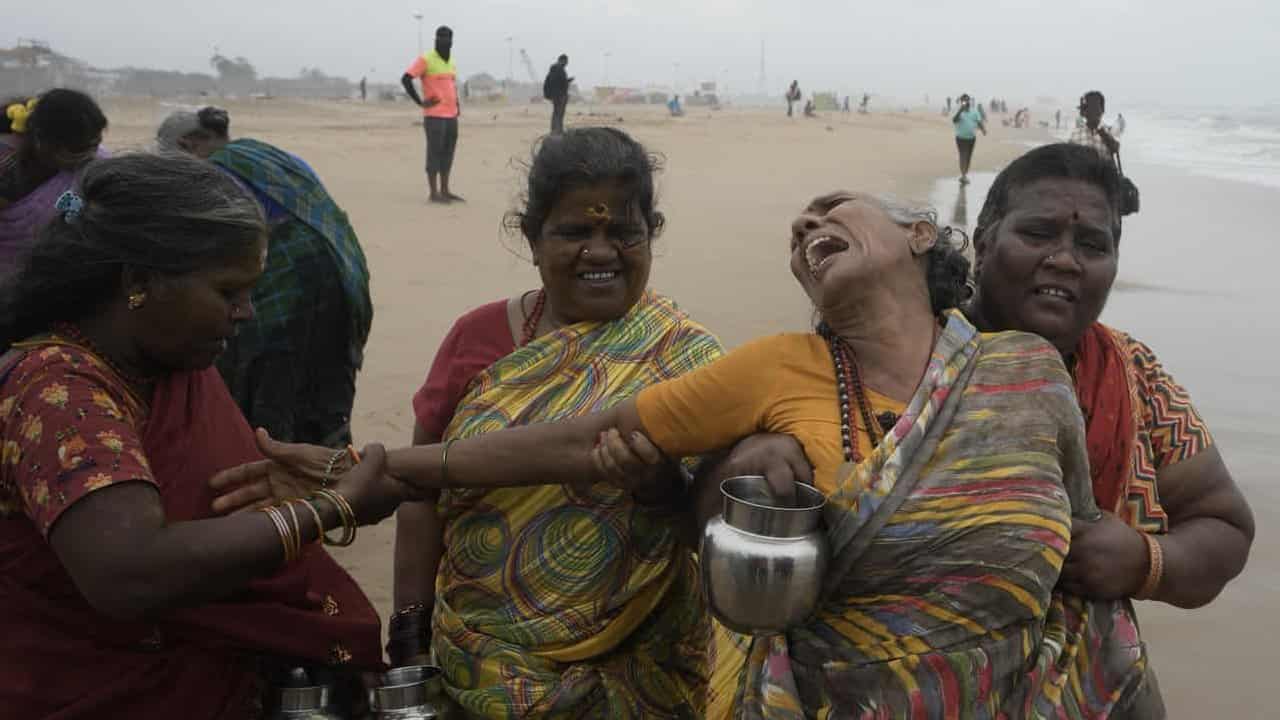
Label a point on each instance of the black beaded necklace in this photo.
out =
(848, 374)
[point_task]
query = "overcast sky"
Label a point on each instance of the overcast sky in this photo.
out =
(1136, 51)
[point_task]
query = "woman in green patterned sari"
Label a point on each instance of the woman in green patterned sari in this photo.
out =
(292, 369)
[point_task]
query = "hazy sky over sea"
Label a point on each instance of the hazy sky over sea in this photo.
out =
(1137, 51)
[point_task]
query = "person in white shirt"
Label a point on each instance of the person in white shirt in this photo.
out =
(1093, 133)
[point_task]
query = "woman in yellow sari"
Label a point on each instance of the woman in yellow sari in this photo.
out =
(554, 601)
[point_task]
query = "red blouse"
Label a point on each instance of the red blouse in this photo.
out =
(477, 340)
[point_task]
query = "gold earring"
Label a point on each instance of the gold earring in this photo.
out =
(137, 300)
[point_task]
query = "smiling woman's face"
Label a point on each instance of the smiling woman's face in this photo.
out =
(844, 246)
(1047, 267)
(594, 253)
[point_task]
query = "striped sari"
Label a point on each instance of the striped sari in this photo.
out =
(947, 542)
(553, 601)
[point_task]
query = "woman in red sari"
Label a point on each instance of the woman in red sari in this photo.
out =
(1176, 528)
(122, 594)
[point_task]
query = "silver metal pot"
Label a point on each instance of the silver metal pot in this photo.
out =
(412, 693)
(763, 563)
(300, 700)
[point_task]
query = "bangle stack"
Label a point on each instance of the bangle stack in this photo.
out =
(290, 530)
(408, 634)
(290, 533)
(345, 512)
(1155, 568)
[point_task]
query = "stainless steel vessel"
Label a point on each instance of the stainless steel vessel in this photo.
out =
(763, 562)
(412, 693)
(302, 700)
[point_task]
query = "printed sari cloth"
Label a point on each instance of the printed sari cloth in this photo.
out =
(71, 427)
(555, 601)
(317, 224)
(22, 220)
(1138, 420)
(292, 369)
(946, 543)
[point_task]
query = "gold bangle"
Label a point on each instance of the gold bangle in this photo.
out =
(444, 462)
(324, 536)
(284, 540)
(342, 519)
(278, 521)
(348, 517)
(1155, 568)
(319, 523)
(287, 534)
(297, 531)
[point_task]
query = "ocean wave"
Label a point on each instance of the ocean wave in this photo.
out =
(1236, 144)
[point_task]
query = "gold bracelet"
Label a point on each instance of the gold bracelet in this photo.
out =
(1155, 570)
(288, 534)
(284, 533)
(342, 519)
(319, 523)
(444, 462)
(297, 530)
(348, 517)
(278, 520)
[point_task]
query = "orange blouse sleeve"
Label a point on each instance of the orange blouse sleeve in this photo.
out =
(714, 406)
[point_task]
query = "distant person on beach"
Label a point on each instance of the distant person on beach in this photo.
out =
(948, 111)
(793, 96)
(556, 89)
(1057, 120)
(291, 367)
(967, 121)
(440, 109)
(44, 143)
(864, 106)
(1176, 527)
(674, 107)
(810, 110)
(364, 89)
(845, 107)
(1092, 132)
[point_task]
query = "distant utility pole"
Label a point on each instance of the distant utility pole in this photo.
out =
(418, 16)
(511, 60)
(764, 80)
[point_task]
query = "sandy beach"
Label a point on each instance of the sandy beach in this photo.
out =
(1192, 266)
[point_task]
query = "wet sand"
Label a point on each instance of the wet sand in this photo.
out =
(734, 179)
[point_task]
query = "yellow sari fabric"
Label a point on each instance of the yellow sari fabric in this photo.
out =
(558, 602)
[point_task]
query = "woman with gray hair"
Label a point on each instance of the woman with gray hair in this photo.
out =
(124, 596)
(953, 461)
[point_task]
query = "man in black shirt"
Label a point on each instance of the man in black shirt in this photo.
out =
(556, 89)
